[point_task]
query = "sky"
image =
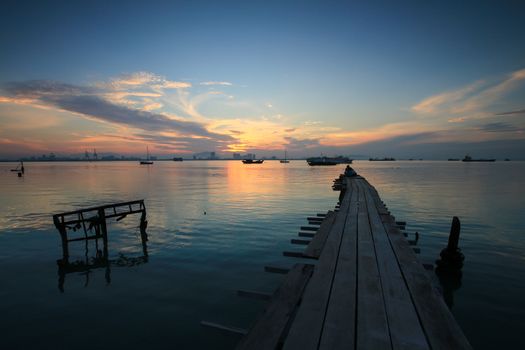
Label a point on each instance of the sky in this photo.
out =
(414, 79)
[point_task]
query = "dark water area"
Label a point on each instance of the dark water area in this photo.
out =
(214, 225)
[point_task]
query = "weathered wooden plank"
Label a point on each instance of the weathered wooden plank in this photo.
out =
(441, 329)
(339, 325)
(224, 328)
(372, 323)
(306, 234)
(316, 246)
(267, 333)
(300, 241)
(305, 331)
(405, 330)
(139, 202)
(276, 269)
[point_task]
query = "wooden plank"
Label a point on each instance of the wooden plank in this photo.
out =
(405, 330)
(140, 202)
(276, 269)
(306, 234)
(317, 223)
(296, 255)
(339, 325)
(316, 246)
(372, 324)
(223, 328)
(267, 333)
(305, 332)
(300, 241)
(441, 329)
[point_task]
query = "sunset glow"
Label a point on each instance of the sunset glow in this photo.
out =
(201, 95)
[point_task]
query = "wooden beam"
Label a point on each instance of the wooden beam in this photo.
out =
(275, 269)
(269, 331)
(300, 241)
(306, 234)
(228, 329)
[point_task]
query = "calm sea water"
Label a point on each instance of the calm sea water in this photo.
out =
(214, 225)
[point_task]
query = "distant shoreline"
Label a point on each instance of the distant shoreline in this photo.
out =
(223, 159)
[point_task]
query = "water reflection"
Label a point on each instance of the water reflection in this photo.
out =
(450, 282)
(100, 260)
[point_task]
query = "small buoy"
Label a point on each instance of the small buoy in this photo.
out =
(204, 213)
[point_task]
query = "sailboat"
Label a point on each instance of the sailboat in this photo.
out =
(284, 160)
(147, 161)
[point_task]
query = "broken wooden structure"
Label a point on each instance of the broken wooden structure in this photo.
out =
(365, 287)
(87, 224)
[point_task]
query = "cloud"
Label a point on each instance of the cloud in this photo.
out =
(290, 130)
(499, 127)
(437, 103)
(140, 79)
(236, 132)
(517, 112)
(312, 122)
(472, 101)
(223, 83)
(301, 144)
(85, 101)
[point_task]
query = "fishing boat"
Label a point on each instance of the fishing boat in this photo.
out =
(147, 161)
(284, 160)
(470, 159)
(386, 159)
(178, 159)
(253, 161)
(313, 161)
(19, 168)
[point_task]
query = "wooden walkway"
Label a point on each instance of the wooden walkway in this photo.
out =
(367, 290)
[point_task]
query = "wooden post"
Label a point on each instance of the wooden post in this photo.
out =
(453, 238)
(451, 257)
(104, 230)
(63, 237)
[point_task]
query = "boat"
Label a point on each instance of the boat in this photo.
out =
(284, 160)
(19, 168)
(386, 159)
(321, 161)
(147, 161)
(328, 160)
(470, 159)
(178, 159)
(253, 161)
(453, 159)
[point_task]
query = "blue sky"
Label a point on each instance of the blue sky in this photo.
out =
(428, 79)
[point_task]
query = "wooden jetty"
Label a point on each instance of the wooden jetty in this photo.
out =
(367, 289)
